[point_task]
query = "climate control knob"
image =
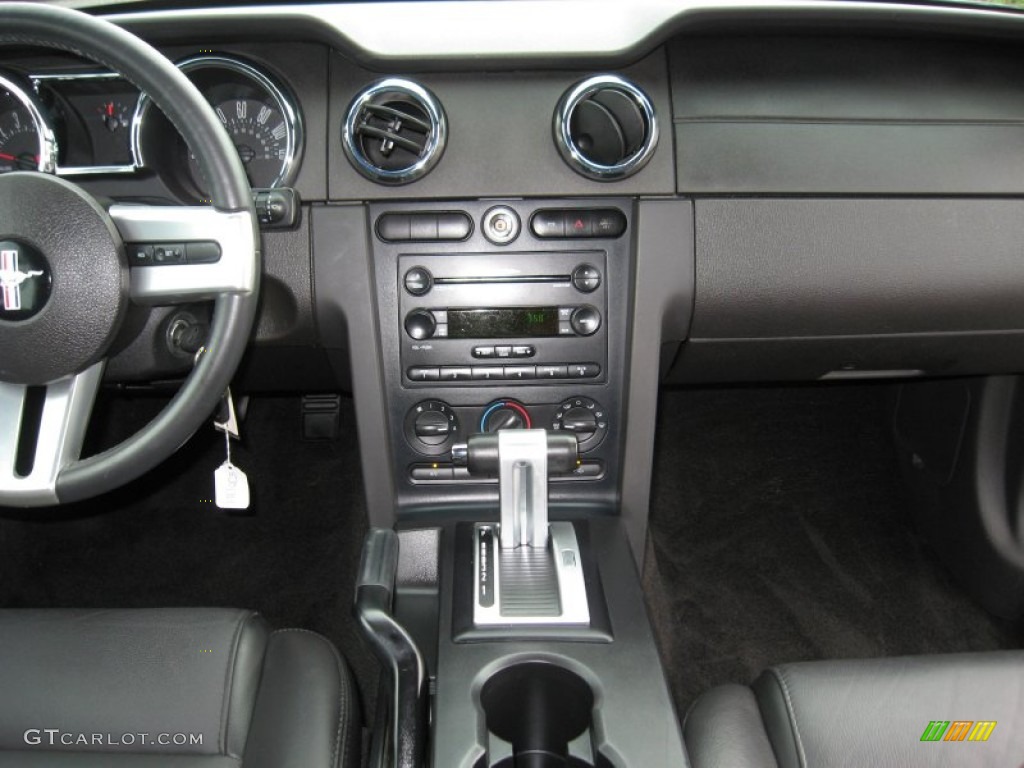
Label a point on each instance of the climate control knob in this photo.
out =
(431, 427)
(585, 418)
(420, 324)
(505, 414)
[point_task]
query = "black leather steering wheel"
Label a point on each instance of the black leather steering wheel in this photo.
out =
(76, 248)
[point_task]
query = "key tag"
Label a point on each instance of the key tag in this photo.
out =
(230, 485)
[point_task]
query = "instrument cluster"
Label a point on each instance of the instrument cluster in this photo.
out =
(77, 123)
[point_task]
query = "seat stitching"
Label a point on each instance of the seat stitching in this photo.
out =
(222, 739)
(341, 734)
(780, 678)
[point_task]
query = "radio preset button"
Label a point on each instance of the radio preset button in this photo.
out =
(501, 225)
(584, 370)
(488, 373)
(424, 374)
(586, 278)
(419, 281)
(524, 351)
(520, 371)
(586, 320)
(420, 324)
(453, 373)
(552, 372)
(483, 352)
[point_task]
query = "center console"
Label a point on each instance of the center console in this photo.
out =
(508, 611)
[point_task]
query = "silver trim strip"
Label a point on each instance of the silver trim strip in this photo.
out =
(572, 154)
(47, 141)
(572, 588)
(432, 150)
(167, 284)
(62, 428)
(537, 28)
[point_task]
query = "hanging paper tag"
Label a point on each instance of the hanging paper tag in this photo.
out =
(231, 487)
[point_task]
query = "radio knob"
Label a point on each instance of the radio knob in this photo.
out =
(585, 320)
(420, 324)
(418, 281)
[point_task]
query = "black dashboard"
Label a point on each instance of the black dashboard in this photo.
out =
(806, 191)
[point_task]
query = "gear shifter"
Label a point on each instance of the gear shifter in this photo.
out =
(528, 571)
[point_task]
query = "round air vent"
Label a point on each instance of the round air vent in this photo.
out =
(605, 128)
(395, 132)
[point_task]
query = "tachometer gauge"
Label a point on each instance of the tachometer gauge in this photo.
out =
(26, 141)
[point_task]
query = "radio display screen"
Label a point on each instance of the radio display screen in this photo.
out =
(505, 323)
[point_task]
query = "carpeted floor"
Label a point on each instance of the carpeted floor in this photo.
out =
(781, 533)
(160, 542)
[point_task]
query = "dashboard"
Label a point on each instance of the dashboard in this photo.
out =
(757, 191)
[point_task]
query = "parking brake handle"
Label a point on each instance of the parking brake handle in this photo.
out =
(397, 652)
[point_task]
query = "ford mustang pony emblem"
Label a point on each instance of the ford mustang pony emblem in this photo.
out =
(11, 279)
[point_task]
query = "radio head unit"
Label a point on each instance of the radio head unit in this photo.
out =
(465, 317)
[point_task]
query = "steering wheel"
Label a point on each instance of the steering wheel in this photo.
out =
(73, 250)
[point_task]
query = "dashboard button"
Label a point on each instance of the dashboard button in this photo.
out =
(169, 253)
(584, 370)
(548, 224)
(424, 374)
(453, 373)
(579, 223)
(423, 226)
(140, 254)
(609, 222)
(552, 372)
(503, 351)
(524, 351)
(488, 373)
(393, 227)
(520, 372)
(453, 226)
(483, 352)
(206, 252)
(429, 472)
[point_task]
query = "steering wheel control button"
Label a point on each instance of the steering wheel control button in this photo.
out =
(501, 225)
(586, 278)
(585, 418)
(202, 252)
(585, 320)
(25, 281)
(418, 281)
(431, 427)
(169, 253)
(420, 324)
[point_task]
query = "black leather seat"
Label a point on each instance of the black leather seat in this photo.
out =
(867, 714)
(170, 688)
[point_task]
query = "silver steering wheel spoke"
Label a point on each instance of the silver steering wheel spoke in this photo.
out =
(59, 432)
(157, 279)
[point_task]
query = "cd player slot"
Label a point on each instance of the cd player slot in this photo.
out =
(476, 280)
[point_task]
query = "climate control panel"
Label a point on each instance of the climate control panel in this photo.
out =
(432, 427)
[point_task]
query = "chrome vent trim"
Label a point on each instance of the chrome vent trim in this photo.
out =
(373, 117)
(568, 144)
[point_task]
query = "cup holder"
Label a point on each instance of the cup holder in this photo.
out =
(538, 715)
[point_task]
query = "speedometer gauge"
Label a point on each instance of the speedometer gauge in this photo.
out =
(26, 141)
(261, 118)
